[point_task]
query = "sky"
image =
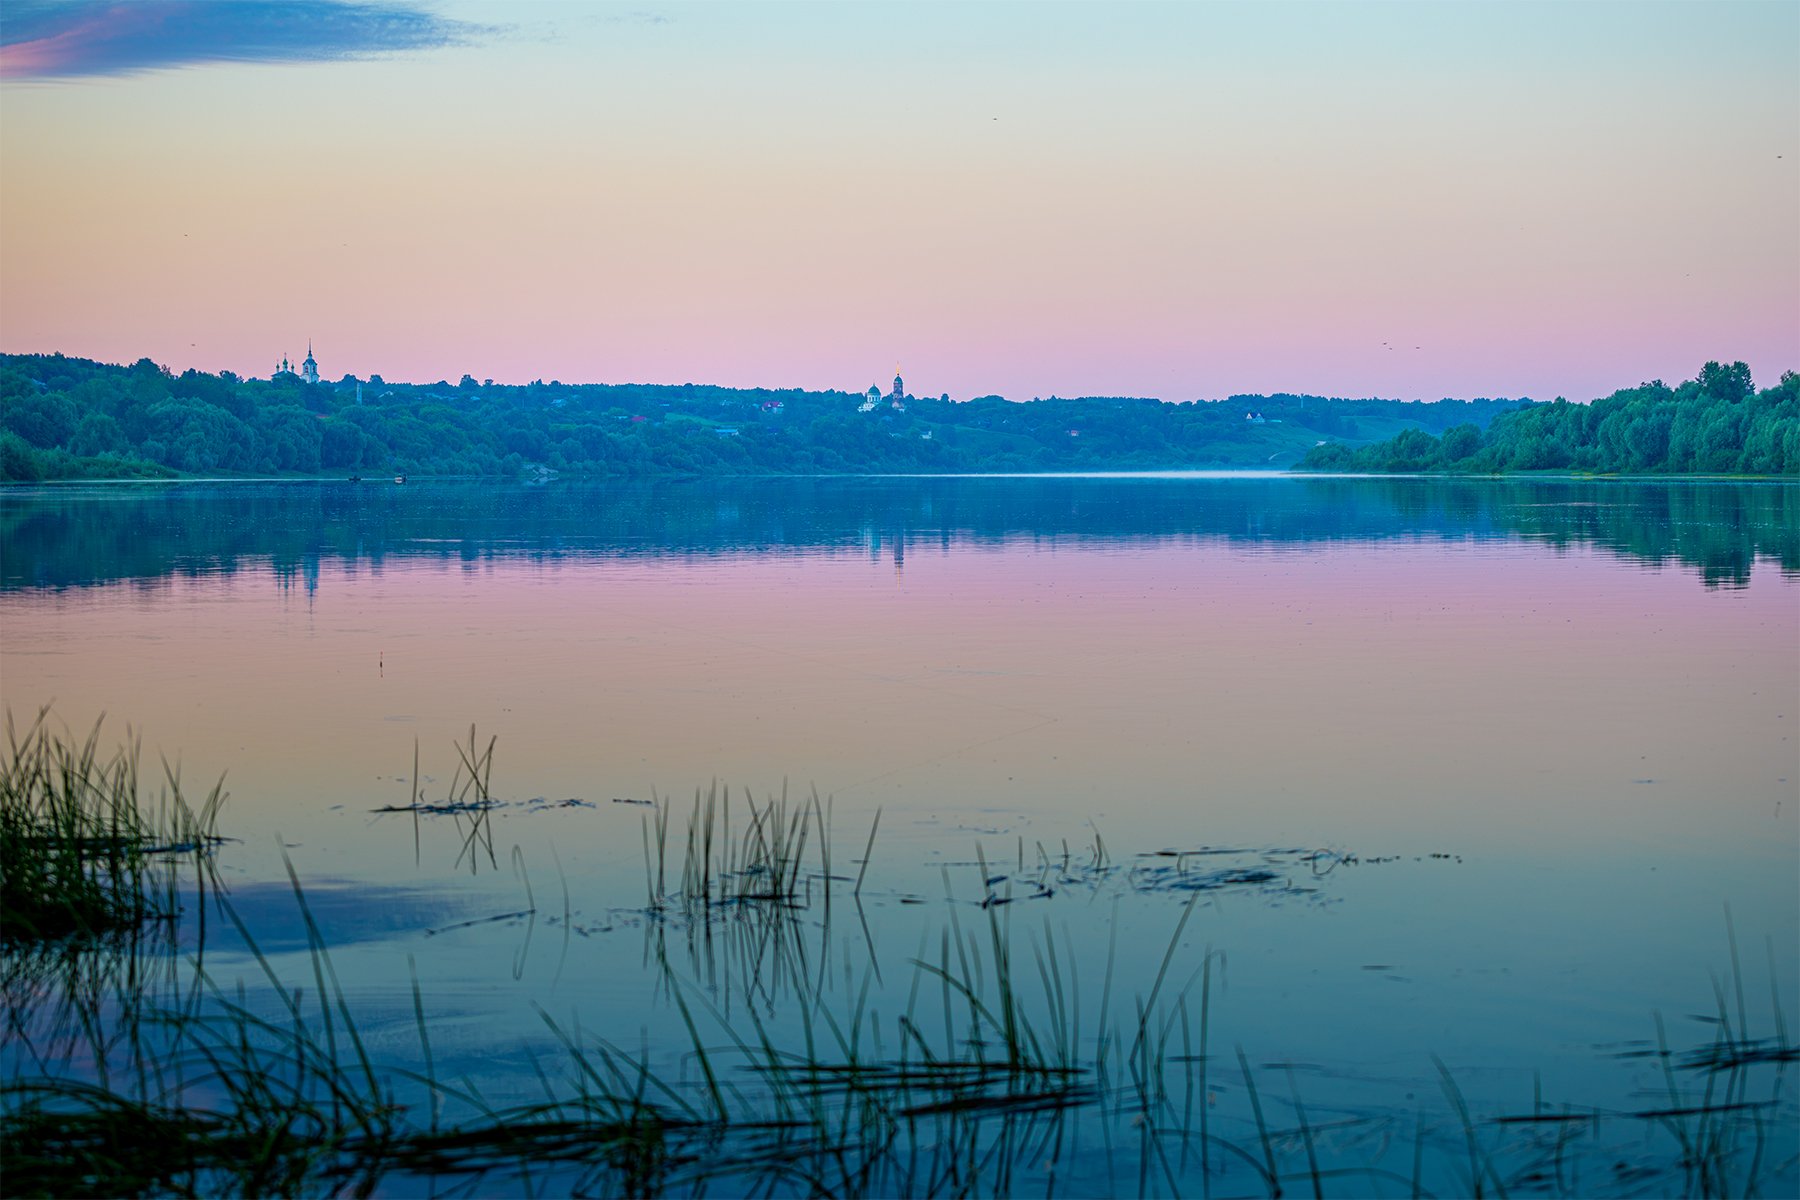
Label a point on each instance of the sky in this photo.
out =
(1184, 201)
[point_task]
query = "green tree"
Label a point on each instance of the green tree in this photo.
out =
(42, 420)
(1460, 442)
(18, 463)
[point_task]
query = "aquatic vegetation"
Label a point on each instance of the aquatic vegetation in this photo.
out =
(204, 1095)
(989, 1082)
(763, 861)
(82, 850)
(999, 1076)
(469, 798)
(1016, 1063)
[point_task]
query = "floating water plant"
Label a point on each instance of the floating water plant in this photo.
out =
(468, 797)
(985, 1069)
(1013, 1097)
(1004, 1102)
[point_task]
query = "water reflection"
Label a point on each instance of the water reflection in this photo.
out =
(344, 913)
(74, 536)
(1544, 772)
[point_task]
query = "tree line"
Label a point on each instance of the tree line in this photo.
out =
(1716, 423)
(72, 418)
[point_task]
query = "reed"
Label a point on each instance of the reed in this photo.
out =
(987, 1082)
(763, 861)
(248, 1102)
(83, 850)
(470, 796)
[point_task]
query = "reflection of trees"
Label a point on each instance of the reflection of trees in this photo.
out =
(75, 536)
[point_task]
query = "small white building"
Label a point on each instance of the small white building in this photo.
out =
(895, 399)
(309, 370)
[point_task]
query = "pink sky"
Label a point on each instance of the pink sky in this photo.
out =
(1178, 201)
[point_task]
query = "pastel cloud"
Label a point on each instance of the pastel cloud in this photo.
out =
(75, 38)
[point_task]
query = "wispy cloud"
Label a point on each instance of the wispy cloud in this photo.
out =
(62, 39)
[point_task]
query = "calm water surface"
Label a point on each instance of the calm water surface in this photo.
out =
(1547, 733)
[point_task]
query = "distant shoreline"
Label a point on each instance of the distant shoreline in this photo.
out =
(1171, 473)
(74, 419)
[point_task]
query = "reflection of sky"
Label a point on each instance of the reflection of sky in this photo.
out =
(1606, 750)
(343, 913)
(1355, 693)
(1164, 200)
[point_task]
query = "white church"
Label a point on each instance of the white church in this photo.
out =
(896, 399)
(308, 370)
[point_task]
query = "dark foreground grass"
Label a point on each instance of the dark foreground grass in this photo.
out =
(991, 1081)
(129, 1071)
(82, 850)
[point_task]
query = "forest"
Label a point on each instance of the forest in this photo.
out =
(72, 418)
(1714, 424)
